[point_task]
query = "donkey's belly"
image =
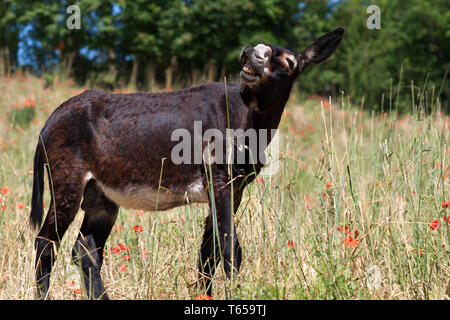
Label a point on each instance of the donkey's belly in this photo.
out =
(142, 197)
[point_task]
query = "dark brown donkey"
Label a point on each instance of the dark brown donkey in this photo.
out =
(106, 150)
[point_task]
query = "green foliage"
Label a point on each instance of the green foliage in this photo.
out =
(21, 117)
(376, 68)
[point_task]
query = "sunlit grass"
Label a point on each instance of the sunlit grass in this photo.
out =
(349, 215)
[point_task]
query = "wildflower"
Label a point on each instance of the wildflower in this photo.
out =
(350, 241)
(140, 213)
(307, 201)
(446, 219)
(344, 227)
(138, 228)
(126, 258)
(5, 190)
(445, 204)
(120, 247)
(3, 208)
(260, 181)
(203, 297)
(328, 185)
(291, 244)
(435, 225)
(123, 267)
(20, 205)
(119, 228)
(77, 291)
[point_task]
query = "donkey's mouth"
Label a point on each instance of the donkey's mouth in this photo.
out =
(248, 74)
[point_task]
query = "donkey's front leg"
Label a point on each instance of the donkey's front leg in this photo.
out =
(220, 241)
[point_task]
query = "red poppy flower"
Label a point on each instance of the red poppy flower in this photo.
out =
(123, 267)
(126, 258)
(120, 247)
(20, 205)
(5, 190)
(445, 204)
(291, 244)
(435, 225)
(138, 228)
(350, 241)
(3, 208)
(307, 201)
(328, 185)
(140, 213)
(203, 297)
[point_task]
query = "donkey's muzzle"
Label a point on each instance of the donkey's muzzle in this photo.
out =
(255, 62)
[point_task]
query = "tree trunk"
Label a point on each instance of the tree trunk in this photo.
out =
(195, 77)
(2, 63)
(68, 62)
(7, 61)
(134, 73)
(223, 73)
(151, 81)
(169, 73)
(212, 69)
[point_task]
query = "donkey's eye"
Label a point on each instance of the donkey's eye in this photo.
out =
(290, 63)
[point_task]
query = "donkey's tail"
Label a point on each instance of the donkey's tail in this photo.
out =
(37, 206)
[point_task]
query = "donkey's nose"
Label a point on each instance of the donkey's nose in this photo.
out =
(262, 53)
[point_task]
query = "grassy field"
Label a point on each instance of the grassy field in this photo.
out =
(356, 211)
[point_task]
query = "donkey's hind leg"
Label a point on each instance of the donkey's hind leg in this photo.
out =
(101, 213)
(65, 202)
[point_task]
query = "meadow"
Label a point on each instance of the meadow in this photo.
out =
(360, 209)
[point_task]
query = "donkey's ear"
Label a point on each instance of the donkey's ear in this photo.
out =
(322, 48)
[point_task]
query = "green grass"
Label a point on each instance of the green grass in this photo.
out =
(382, 176)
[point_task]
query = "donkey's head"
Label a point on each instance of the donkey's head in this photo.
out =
(269, 70)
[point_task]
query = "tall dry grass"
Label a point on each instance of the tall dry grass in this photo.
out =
(356, 211)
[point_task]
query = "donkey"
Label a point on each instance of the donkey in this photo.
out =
(104, 150)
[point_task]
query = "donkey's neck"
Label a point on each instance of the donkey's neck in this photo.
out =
(268, 104)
